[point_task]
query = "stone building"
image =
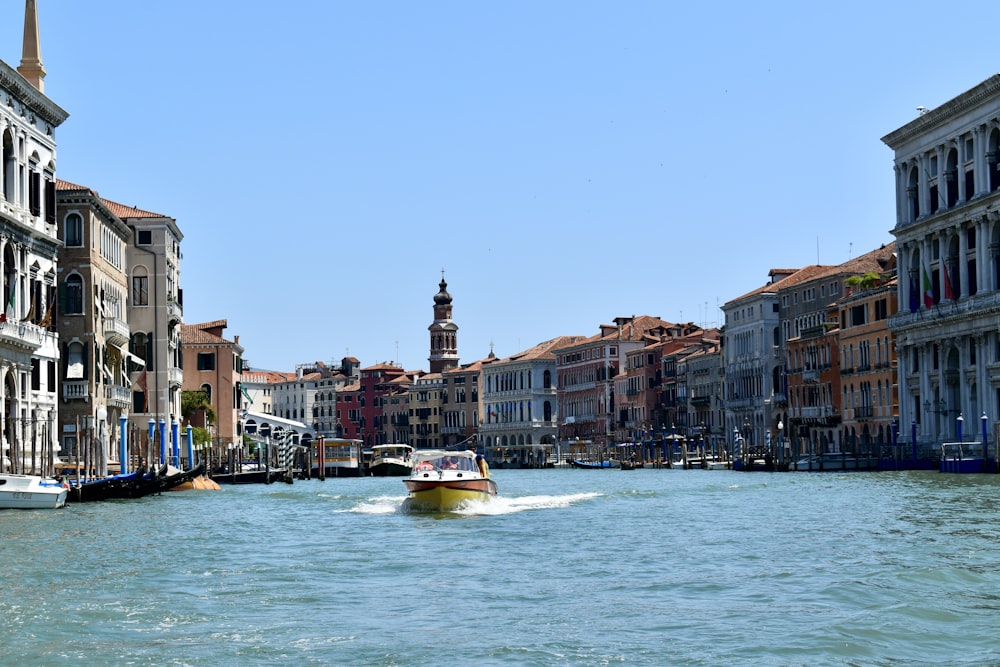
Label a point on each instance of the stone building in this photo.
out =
(947, 182)
(29, 244)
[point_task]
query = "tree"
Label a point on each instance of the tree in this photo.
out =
(193, 402)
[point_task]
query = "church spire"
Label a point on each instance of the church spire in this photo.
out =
(31, 50)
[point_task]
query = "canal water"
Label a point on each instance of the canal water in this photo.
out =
(566, 567)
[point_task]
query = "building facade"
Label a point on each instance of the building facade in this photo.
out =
(586, 372)
(213, 365)
(521, 405)
(94, 333)
(29, 244)
(869, 396)
(947, 182)
(155, 314)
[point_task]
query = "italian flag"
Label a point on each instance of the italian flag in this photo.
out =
(928, 291)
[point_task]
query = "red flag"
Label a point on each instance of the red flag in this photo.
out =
(141, 384)
(949, 293)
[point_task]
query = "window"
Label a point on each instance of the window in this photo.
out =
(73, 296)
(74, 361)
(144, 237)
(74, 230)
(206, 361)
(140, 289)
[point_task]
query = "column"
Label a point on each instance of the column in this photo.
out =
(963, 264)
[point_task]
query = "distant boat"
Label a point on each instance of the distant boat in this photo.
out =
(31, 492)
(597, 465)
(341, 458)
(392, 460)
(248, 473)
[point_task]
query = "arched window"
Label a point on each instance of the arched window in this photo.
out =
(73, 232)
(73, 304)
(139, 346)
(74, 361)
(207, 390)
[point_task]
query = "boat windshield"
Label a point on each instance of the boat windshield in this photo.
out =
(447, 462)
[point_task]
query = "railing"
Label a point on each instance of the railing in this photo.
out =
(73, 390)
(116, 331)
(811, 375)
(174, 310)
(119, 396)
(980, 302)
(22, 334)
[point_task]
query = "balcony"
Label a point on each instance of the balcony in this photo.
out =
(175, 377)
(76, 390)
(116, 331)
(175, 312)
(22, 335)
(119, 396)
(811, 375)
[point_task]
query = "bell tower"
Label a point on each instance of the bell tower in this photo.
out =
(444, 332)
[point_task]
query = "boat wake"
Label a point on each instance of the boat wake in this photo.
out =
(495, 506)
(511, 505)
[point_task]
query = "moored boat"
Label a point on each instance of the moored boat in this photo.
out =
(340, 457)
(393, 460)
(31, 492)
(597, 465)
(444, 480)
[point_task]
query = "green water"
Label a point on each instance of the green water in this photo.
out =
(566, 567)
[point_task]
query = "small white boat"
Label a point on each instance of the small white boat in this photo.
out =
(391, 460)
(715, 463)
(31, 492)
(443, 480)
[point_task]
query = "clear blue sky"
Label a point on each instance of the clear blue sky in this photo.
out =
(565, 162)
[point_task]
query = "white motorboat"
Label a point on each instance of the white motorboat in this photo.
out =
(31, 492)
(391, 460)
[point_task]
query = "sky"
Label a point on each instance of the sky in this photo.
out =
(564, 162)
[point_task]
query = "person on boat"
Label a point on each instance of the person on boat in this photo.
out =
(450, 463)
(484, 468)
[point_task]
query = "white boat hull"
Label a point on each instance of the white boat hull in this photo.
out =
(31, 492)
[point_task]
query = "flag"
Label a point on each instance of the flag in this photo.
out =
(47, 320)
(30, 315)
(246, 394)
(928, 292)
(141, 384)
(8, 314)
(914, 295)
(949, 293)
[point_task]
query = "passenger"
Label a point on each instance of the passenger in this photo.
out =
(481, 464)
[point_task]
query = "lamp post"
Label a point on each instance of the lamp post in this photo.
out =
(960, 421)
(986, 444)
(781, 441)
